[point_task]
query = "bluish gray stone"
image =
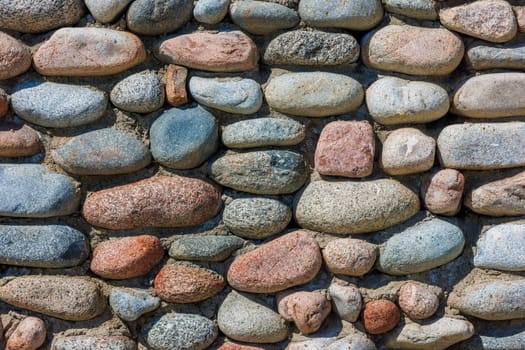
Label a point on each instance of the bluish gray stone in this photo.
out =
(93, 342)
(501, 335)
(53, 246)
(483, 55)
(130, 304)
(140, 93)
(421, 247)
(420, 9)
(262, 132)
(31, 191)
(103, 152)
(206, 248)
(211, 11)
(184, 138)
(259, 17)
(502, 248)
(106, 11)
(154, 17)
(59, 105)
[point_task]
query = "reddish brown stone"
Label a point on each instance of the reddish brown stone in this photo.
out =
(160, 201)
(127, 257)
(30, 334)
(417, 301)
(307, 310)
(176, 93)
(18, 141)
(15, 57)
(287, 261)
(346, 149)
(217, 52)
(443, 191)
(519, 11)
(4, 105)
(380, 316)
(352, 257)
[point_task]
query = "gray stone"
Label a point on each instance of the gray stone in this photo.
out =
(482, 146)
(482, 55)
(262, 132)
(502, 248)
(50, 246)
(106, 11)
(181, 332)
(59, 105)
(183, 138)
(31, 191)
(311, 48)
(211, 11)
(260, 172)
(256, 218)
(102, 152)
(354, 341)
(130, 304)
(314, 94)
(349, 207)
(87, 342)
(420, 9)
(154, 17)
(206, 248)
(259, 17)
(503, 335)
(242, 317)
(232, 95)
(346, 300)
(140, 93)
(392, 101)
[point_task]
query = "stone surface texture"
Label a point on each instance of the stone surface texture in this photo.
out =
(307, 310)
(380, 316)
(351, 257)
(417, 301)
(260, 132)
(30, 334)
(154, 17)
(18, 141)
(442, 192)
(15, 57)
(259, 17)
(501, 248)
(140, 93)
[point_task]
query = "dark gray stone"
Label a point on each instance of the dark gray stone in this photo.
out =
(140, 93)
(259, 17)
(262, 132)
(206, 248)
(130, 304)
(154, 17)
(482, 55)
(211, 11)
(420, 9)
(87, 342)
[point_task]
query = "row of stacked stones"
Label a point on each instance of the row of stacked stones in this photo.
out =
(247, 175)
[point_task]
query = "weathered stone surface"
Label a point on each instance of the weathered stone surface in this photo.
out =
(161, 201)
(380, 316)
(502, 248)
(287, 261)
(259, 17)
(508, 335)
(314, 94)
(176, 93)
(307, 310)
(351, 257)
(442, 192)
(18, 141)
(346, 300)
(206, 248)
(106, 11)
(130, 304)
(30, 334)
(59, 105)
(413, 50)
(211, 11)
(481, 55)
(67, 298)
(217, 52)
(15, 57)
(490, 20)
(154, 17)
(519, 11)
(421, 247)
(85, 342)
(417, 301)
(420, 9)
(346, 207)
(392, 101)
(140, 93)
(482, 146)
(88, 52)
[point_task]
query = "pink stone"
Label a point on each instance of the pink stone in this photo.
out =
(176, 93)
(307, 310)
(15, 58)
(442, 192)
(18, 141)
(417, 301)
(30, 334)
(352, 257)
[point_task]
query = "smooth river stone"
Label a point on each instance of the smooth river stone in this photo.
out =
(417, 300)
(481, 55)
(15, 57)
(92, 342)
(420, 9)
(130, 304)
(18, 141)
(59, 105)
(502, 248)
(29, 334)
(346, 300)
(102, 152)
(66, 298)
(392, 101)
(211, 11)
(206, 248)
(287, 261)
(232, 95)
(380, 316)
(259, 17)
(31, 191)
(348, 207)
(441, 192)
(413, 50)
(140, 93)
(88, 52)
(106, 11)
(507, 335)
(216, 52)
(307, 310)
(155, 17)
(260, 172)
(482, 146)
(262, 132)
(160, 201)
(351, 257)
(314, 94)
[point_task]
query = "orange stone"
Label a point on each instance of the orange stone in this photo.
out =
(18, 141)
(15, 58)
(4, 105)
(380, 316)
(176, 92)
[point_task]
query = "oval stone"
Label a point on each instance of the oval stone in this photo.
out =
(106, 11)
(413, 50)
(347, 207)
(259, 17)
(262, 132)
(88, 52)
(131, 304)
(59, 105)
(314, 94)
(502, 248)
(87, 342)
(15, 57)
(351, 257)
(154, 17)
(140, 93)
(481, 55)
(29, 334)
(290, 260)
(420, 9)
(18, 141)
(442, 192)
(211, 11)
(206, 248)
(260, 172)
(380, 316)
(417, 301)
(102, 152)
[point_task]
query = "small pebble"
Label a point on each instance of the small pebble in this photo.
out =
(380, 316)
(176, 93)
(417, 301)
(442, 192)
(131, 304)
(106, 11)
(307, 310)
(140, 93)
(346, 300)
(211, 11)
(30, 334)
(407, 151)
(351, 257)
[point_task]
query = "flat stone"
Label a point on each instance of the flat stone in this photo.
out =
(419, 9)
(176, 93)
(88, 52)
(187, 284)
(259, 17)
(261, 132)
(206, 248)
(154, 17)
(345, 207)
(106, 11)
(357, 15)
(380, 316)
(18, 141)
(31, 191)
(260, 172)
(66, 298)
(15, 57)
(290, 260)
(482, 146)
(393, 101)
(29, 17)
(85, 342)
(128, 257)
(482, 55)
(131, 304)
(314, 94)
(256, 218)
(346, 148)
(307, 310)
(346, 300)
(417, 301)
(181, 331)
(59, 105)
(232, 95)
(490, 20)
(413, 50)
(311, 48)
(211, 11)
(442, 192)
(183, 138)
(351, 257)
(216, 52)
(421, 247)
(140, 93)
(241, 317)
(501, 248)
(30, 334)
(161, 201)
(519, 11)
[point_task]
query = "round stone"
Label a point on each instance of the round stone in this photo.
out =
(211, 11)
(140, 93)
(155, 17)
(131, 304)
(30, 334)
(417, 301)
(442, 192)
(307, 310)
(206, 248)
(351, 257)
(380, 316)
(18, 141)
(258, 17)
(15, 57)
